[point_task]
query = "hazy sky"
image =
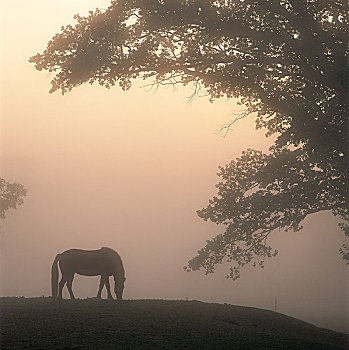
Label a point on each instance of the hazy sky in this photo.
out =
(129, 170)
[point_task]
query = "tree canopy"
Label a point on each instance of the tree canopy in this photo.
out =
(11, 196)
(287, 62)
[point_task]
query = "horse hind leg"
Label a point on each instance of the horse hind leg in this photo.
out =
(61, 285)
(69, 286)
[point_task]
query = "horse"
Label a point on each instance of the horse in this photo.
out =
(103, 262)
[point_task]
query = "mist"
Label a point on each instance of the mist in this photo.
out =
(128, 170)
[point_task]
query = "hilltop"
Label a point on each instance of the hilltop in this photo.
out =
(44, 323)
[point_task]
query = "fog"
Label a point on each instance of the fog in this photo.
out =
(128, 170)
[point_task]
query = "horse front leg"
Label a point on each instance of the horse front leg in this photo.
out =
(101, 284)
(107, 284)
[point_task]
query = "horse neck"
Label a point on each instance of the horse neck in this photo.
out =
(119, 269)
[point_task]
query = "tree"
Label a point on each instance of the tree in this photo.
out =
(11, 196)
(287, 62)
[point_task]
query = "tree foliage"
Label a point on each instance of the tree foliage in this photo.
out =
(11, 196)
(287, 62)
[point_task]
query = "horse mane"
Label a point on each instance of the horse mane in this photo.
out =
(107, 248)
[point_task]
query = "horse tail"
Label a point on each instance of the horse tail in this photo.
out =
(54, 276)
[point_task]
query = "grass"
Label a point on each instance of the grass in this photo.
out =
(44, 323)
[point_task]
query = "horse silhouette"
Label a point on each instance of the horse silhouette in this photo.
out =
(104, 262)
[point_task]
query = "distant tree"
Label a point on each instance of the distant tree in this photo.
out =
(11, 196)
(287, 61)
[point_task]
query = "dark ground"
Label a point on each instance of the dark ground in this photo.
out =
(43, 323)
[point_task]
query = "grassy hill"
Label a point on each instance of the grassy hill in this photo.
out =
(43, 323)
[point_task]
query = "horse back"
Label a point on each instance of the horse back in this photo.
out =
(89, 262)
